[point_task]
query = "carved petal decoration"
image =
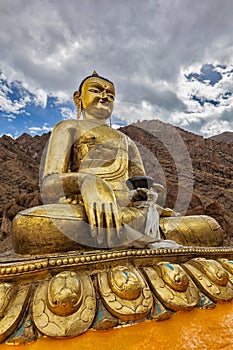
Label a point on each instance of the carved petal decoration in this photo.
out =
(7, 292)
(228, 265)
(64, 294)
(65, 306)
(211, 277)
(159, 312)
(13, 306)
(172, 285)
(125, 293)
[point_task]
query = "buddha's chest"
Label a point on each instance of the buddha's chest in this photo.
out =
(99, 146)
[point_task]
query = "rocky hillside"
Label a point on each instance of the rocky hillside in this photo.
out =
(19, 162)
(189, 161)
(225, 137)
(193, 170)
(19, 174)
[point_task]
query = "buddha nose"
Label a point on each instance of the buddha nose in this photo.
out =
(104, 94)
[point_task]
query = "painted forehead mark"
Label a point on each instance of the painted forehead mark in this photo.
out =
(98, 84)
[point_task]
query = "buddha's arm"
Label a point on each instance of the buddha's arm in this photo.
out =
(56, 186)
(136, 167)
(57, 180)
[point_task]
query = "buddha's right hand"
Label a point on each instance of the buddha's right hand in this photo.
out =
(101, 209)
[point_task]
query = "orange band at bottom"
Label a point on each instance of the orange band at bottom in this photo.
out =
(197, 329)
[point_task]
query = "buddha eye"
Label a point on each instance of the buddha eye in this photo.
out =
(96, 91)
(112, 97)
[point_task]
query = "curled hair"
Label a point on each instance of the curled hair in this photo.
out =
(94, 75)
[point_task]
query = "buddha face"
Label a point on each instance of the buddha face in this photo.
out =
(97, 99)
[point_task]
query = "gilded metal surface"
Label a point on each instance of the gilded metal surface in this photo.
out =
(227, 264)
(17, 268)
(124, 283)
(104, 320)
(69, 301)
(173, 286)
(12, 311)
(125, 294)
(159, 312)
(67, 321)
(76, 281)
(84, 185)
(65, 293)
(213, 270)
(193, 230)
(54, 219)
(205, 302)
(7, 291)
(211, 277)
(25, 333)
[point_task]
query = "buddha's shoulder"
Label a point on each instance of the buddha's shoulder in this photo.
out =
(87, 127)
(64, 124)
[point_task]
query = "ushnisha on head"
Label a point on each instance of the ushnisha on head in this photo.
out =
(95, 98)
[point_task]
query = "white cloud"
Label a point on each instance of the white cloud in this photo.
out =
(39, 130)
(40, 98)
(143, 46)
(9, 106)
(68, 113)
(132, 113)
(9, 117)
(205, 103)
(215, 127)
(8, 134)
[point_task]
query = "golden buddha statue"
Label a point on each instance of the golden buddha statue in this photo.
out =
(96, 192)
(84, 267)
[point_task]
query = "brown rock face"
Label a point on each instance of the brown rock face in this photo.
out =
(196, 173)
(225, 137)
(19, 177)
(200, 170)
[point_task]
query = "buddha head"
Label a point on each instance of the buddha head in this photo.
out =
(95, 98)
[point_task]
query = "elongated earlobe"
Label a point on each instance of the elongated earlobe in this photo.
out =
(78, 102)
(79, 109)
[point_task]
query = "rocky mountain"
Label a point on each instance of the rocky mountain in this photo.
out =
(196, 168)
(196, 173)
(19, 174)
(225, 137)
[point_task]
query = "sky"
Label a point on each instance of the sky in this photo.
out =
(170, 60)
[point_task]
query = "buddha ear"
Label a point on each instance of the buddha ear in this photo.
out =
(78, 102)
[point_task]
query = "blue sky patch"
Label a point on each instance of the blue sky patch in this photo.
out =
(20, 111)
(202, 101)
(208, 74)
